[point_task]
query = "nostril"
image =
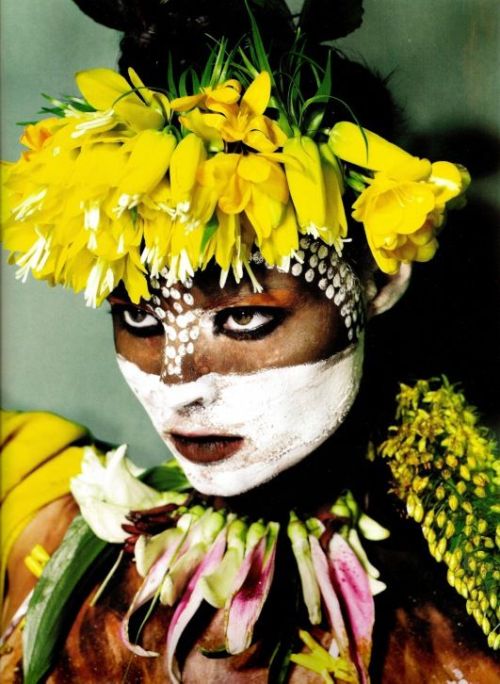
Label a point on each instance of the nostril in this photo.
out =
(190, 394)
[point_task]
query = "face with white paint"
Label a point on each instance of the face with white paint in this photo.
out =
(243, 385)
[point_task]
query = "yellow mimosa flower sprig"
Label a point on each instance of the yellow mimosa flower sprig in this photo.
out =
(130, 182)
(446, 469)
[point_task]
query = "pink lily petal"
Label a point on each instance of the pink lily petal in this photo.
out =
(148, 589)
(354, 588)
(190, 602)
(340, 643)
(253, 582)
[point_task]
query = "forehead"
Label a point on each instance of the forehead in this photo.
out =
(204, 290)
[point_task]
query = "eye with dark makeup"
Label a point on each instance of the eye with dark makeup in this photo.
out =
(136, 321)
(248, 322)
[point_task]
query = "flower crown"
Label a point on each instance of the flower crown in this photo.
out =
(130, 183)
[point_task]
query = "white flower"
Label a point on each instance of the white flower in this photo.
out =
(108, 488)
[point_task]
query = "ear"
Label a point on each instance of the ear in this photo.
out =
(391, 292)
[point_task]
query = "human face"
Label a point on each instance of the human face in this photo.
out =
(242, 385)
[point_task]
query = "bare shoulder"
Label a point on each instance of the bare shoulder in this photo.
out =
(47, 528)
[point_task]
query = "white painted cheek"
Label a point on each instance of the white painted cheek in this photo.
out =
(293, 412)
(283, 414)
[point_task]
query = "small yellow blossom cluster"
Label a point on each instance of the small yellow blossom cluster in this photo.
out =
(402, 205)
(128, 183)
(445, 468)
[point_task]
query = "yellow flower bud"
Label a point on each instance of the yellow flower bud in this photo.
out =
(480, 479)
(440, 493)
(449, 530)
(453, 502)
(480, 492)
(461, 487)
(441, 519)
(441, 547)
(485, 625)
(464, 472)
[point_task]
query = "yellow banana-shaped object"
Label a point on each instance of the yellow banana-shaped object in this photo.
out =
(29, 439)
(37, 463)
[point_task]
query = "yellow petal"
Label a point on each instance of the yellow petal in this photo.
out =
(227, 93)
(306, 184)
(371, 152)
(335, 218)
(134, 278)
(235, 195)
(449, 180)
(148, 162)
(282, 240)
(137, 115)
(225, 236)
(426, 252)
(101, 87)
(257, 95)
(141, 89)
(254, 168)
(201, 125)
(189, 154)
(264, 213)
(184, 104)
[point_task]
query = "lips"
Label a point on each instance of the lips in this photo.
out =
(206, 448)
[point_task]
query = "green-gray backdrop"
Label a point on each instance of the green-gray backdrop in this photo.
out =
(56, 354)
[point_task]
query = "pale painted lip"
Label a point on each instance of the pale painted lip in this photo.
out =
(205, 447)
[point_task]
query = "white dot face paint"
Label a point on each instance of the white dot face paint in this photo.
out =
(281, 415)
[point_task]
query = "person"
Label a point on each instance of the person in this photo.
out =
(240, 294)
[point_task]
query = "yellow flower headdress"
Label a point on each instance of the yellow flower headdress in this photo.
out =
(129, 183)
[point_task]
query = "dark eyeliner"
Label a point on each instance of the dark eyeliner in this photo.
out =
(118, 311)
(262, 331)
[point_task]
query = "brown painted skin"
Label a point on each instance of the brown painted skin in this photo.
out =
(423, 645)
(311, 328)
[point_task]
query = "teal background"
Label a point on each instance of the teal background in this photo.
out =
(58, 355)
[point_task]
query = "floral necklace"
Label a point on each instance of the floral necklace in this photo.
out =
(189, 553)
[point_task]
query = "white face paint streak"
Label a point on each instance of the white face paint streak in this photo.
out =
(283, 414)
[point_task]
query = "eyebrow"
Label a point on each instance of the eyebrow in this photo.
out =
(274, 297)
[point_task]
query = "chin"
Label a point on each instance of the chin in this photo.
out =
(243, 471)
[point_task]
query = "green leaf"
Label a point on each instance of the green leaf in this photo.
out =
(208, 231)
(51, 608)
(166, 477)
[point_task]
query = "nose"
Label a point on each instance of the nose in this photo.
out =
(184, 362)
(184, 395)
